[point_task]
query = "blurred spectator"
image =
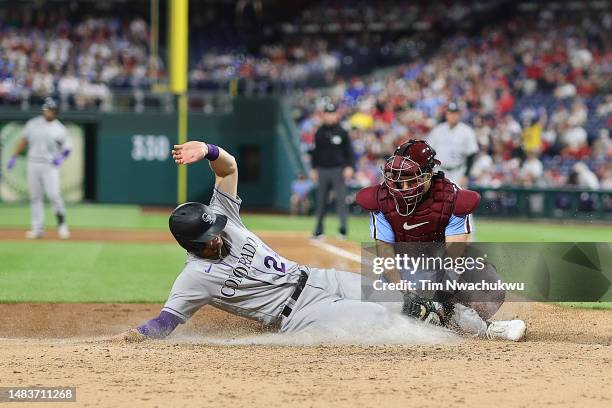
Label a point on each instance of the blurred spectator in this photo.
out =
(300, 191)
(532, 136)
(583, 177)
(482, 169)
(532, 170)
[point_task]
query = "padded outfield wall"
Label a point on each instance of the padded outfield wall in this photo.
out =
(126, 156)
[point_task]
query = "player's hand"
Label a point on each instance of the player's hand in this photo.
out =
(348, 173)
(11, 163)
(58, 161)
(189, 152)
(130, 336)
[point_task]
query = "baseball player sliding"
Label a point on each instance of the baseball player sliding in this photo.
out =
(232, 269)
(47, 141)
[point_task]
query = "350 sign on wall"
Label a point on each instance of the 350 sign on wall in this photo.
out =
(150, 147)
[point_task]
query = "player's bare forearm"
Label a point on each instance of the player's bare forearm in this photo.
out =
(222, 163)
(456, 244)
(21, 145)
(386, 250)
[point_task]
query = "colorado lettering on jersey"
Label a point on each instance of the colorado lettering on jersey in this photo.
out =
(241, 270)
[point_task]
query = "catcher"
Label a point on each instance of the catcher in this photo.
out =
(414, 204)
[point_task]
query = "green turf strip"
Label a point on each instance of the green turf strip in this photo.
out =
(71, 271)
(57, 271)
(97, 216)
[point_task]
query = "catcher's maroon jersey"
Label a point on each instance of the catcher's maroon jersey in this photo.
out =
(428, 221)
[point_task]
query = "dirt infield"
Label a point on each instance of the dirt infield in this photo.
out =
(566, 360)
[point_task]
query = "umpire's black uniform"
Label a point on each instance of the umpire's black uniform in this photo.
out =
(332, 153)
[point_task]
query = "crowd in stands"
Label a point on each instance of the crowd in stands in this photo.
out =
(535, 86)
(307, 61)
(335, 38)
(536, 90)
(78, 62)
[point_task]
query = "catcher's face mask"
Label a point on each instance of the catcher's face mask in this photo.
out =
(406, 182)
(408, 174)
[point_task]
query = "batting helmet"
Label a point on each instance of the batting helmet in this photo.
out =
(407, 172)
(49, 104)
(194, 224)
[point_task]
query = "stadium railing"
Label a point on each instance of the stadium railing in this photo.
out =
(538, 202)
(136, 100)
(526, 202)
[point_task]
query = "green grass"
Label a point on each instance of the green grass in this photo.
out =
(589, 305)
(94, 216)
(55, 271)
(90, 216)
(52, 271)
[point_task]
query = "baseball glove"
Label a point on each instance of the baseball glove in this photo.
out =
(426, 310)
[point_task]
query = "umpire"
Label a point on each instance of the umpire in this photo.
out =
(332, 167)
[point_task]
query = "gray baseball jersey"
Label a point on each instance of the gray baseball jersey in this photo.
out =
(453, 146)
(251, 281)
(46, 140)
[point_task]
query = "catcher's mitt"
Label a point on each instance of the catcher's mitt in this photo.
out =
(426, 310)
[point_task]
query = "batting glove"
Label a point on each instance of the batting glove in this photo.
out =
(11, 163)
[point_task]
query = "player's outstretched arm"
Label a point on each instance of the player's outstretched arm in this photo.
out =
(157, 328)
(222, 163)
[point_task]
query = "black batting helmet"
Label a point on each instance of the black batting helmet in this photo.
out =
(194, 224)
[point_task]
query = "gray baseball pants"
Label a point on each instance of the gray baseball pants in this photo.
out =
(43, 178)
(330, 300)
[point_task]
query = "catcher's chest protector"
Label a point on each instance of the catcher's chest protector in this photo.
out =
(432, 213)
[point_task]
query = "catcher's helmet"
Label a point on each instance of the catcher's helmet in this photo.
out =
(49, 104)
(407, 172)
(194, 224)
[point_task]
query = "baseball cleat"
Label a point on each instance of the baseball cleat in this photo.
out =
(512, 330)
(63, 231)
(33, 234)
(317, 237)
